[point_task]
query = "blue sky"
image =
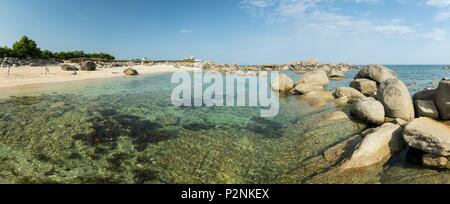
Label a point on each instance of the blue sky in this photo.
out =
(238, 31)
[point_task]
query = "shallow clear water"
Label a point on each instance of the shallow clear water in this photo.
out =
(125, 130)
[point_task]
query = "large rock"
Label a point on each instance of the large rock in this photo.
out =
(426, 95)
(396, 99)
(337, 115)
(368, 110)
(365, 86)
(317, 98)
(335, 73)
(429, 136)
(377, 147)
(351, 93)
(66, 67)
(426, 109)
(88, 66)
(442, 99)
(130, 72)
(282, 84)
(435, 161)
(342, 101)
(325, 68)
(309, 62)
(319, 77)
(377, 73)
(343, 149)
(307, 88)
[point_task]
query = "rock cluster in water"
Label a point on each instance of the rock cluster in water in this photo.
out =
(334, 71)
(380, 99)
(312, 83)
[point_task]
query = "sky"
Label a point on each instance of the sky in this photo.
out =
(238, 31)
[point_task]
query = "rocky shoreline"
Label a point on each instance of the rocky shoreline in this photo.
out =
(398, 122)
(376, 97)
(333, 70)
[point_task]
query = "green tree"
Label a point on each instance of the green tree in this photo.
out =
(101, 56)
(5, 52)
(26, 47)
(46, 54)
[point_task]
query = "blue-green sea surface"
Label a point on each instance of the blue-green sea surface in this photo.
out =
(126, 130)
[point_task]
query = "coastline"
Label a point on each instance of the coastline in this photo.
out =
(27, 76)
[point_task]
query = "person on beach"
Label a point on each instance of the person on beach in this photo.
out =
(9, 69)
(47, 71)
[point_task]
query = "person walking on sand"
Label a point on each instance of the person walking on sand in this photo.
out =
(47, 71)
(9, 69)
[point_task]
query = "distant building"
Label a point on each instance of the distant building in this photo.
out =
(192, 58)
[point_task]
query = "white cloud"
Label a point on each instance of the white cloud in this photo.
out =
(443, 7)
(320, 16)
(184, 31)
(258, 3)
(394, 29)
(436, 34)
(438, 3)
(442, 16)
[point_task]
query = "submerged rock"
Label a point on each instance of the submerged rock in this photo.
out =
(318, 98)
(307, 88)
(442, 99)
(369, 110)
(377, 147)
(198, 126)
(343, 149)
(426, 109)
(365, 86)
(429, 136)
(168, 120)
(337, 115)
(283, 84)
(319, 77)
(268, 128)
(378, 73)
(396, 99)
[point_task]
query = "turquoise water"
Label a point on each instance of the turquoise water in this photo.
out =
(125, 130)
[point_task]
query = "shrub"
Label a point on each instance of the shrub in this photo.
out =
(46, 54)
(26, 47)
(5, 52)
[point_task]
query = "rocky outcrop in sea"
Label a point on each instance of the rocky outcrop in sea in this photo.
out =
(334, 71)
(407, 123)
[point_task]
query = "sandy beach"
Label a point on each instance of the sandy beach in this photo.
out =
(27, 75)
